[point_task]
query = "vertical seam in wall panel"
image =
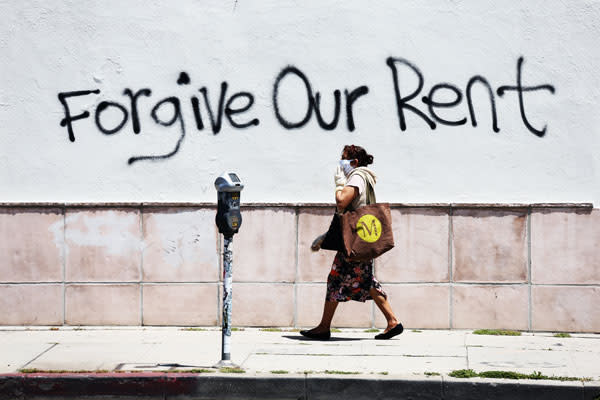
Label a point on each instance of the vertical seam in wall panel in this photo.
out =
(450, 266)
(64, 265)
(372, 314)
(295, 321)
(528, 233)
(141, 275)
(297, 217)
(216, 286)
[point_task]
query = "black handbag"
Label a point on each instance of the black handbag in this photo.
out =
(333, 238)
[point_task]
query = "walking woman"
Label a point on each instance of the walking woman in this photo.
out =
(353, 280)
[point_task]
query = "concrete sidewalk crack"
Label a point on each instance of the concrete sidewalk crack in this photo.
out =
(246, 359)
(466, 350)
(39, 355)
(467, 356)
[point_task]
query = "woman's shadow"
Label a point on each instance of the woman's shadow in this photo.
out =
(332, 339)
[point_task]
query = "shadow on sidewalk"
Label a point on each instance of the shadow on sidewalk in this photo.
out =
(332, 339)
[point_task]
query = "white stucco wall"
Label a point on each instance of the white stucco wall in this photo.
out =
(58, 46)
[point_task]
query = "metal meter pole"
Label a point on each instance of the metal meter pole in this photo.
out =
(227, 290)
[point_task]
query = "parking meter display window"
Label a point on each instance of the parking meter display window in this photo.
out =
(234, 178)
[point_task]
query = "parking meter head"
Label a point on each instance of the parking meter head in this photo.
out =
(229, 217)
(228, 182)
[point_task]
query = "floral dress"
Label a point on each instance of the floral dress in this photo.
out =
(351, 280)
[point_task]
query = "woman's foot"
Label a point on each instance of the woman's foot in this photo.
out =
(317, 333)
(390, 332)
(391, 325)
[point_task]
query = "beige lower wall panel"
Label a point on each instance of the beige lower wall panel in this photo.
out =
(110, 304)
(491, 306)
(265, 248)
(489, 245)
(565, 246)
(309, 304)
(352, 314)
(180, 245)
(310, 299)
(420, 253)
(31, 304)
(313, 266)
(417, 306)
(262, 304)
(566, 308)
(31, 245)
(172, 304)
(103, 245)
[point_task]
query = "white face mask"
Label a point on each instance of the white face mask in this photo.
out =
(346, 167)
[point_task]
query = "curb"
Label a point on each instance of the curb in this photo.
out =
(183, 386)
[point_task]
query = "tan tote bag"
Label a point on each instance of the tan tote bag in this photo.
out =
(361, 234)
(367, 231)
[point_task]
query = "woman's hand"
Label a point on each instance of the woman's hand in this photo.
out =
(344, 197)
(339, 178)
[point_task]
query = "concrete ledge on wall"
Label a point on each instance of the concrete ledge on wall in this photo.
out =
(204, 204)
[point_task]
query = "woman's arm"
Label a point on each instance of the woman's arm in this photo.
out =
(344, 197)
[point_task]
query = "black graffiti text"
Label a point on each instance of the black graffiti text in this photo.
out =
(211, 110)
(313, 103)
(205, 112)
(405, 103)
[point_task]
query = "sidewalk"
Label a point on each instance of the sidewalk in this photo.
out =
(286, 364)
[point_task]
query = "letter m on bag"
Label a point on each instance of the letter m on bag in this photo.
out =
(368, 228)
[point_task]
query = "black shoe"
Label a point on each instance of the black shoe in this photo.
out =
(316, 336)
(391, 333)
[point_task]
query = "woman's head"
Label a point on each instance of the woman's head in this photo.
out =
(352, 152)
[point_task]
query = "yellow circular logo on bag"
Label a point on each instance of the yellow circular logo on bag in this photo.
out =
(368, 228)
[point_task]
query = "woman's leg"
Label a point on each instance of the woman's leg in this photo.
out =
(328, 312)
(385, 308)
(334, 282)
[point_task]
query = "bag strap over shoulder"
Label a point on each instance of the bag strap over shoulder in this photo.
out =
(369, 177)
(370, 193)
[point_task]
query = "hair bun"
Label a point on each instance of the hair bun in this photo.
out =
(359, 153)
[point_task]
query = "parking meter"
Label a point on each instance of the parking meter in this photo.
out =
(229, 218)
